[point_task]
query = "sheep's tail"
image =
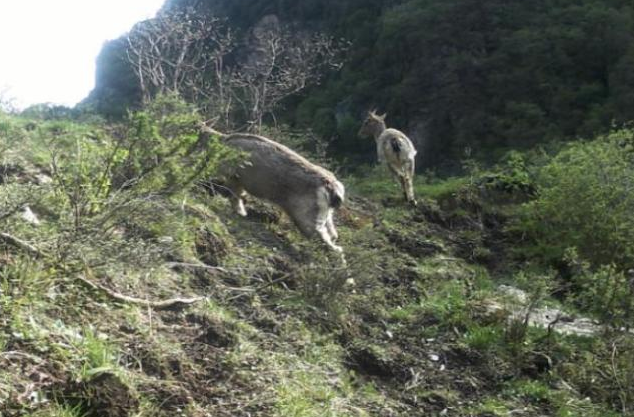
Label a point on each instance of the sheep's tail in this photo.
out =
(336, 193)
(402, 151)
(396, 145)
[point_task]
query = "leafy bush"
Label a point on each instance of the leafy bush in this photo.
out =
(163, 149)
(512, 175)
(160, 153)
(585, 201)
(604, 373)
(606, 292)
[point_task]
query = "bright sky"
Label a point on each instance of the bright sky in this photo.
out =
(48, 47)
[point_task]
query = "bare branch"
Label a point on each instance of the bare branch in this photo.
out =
(163, 304)
(174, 52)
(22, 245)
(281, 64)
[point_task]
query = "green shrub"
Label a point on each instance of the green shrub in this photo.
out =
(159, 153)
(512, 175)
(585, 201)
(605, 373)
(483, 338)
(162, 149)
(605, 292)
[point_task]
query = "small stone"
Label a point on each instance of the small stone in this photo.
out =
(166, 239)
(43, 179)
(29, 216)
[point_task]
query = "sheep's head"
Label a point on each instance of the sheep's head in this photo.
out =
(373, 125)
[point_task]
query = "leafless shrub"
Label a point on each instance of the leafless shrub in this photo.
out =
(180, 53)
(281, 63)
(186, 53)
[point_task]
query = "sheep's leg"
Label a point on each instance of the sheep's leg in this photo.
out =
(308, 227)
(397, 176)
(331, 226)
(327, 238)
(237, 195)
(410, 182)
(238, 206)
(318, 218)
(408, 188)
(323, 232)
(410, 191)
(402, 179)
(406, 179)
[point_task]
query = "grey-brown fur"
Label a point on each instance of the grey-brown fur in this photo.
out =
(395, 150)
(307, 192)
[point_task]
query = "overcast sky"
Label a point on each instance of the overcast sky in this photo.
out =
(48, 47)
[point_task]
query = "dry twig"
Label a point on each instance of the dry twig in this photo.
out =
(21, 244)
(159, 305)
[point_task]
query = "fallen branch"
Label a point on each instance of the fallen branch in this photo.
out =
(159, 305)
(20, 244)
(14, 354)
(196, 266)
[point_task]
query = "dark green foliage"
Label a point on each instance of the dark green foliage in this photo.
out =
(479, 74)
(163, 148)
(48, 111)
(511, 176)
(585, 201)
(159, 152)
(605, 292)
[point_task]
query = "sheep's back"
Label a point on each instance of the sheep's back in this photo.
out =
(275, 172)
(407, 150)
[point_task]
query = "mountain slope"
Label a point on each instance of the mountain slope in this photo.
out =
(278, 330)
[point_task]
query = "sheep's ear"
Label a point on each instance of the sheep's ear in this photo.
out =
(382, 117)
(372, 112)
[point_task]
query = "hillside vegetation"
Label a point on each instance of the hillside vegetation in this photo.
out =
(489, 76)
(138, 292)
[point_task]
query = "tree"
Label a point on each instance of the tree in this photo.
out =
(184, 53)
(279, 64)
(175, 52)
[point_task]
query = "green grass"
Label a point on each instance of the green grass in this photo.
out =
(483, 338)
(494, 407)
(377, 182)
(97, 353)
(57, 410)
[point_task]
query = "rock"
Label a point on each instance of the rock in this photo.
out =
(491, 312)
(29, 217)
(513, 292)
(42, 179)
(557, 319)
